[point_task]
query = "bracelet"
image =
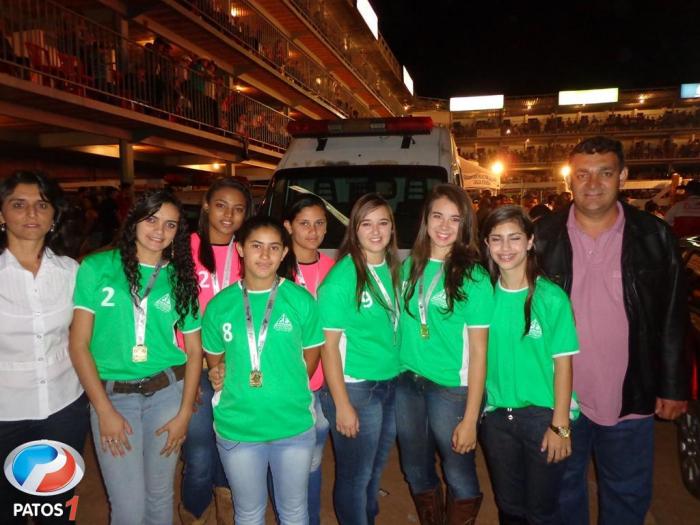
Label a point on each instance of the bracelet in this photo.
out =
(563, 432)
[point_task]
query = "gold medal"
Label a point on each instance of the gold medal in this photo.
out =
(255, 380)
(139, 354)
(424, 332)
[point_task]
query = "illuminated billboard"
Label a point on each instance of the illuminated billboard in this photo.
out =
(407, 80)
(476, 103)
(690, 90)
(369, 16)
(588, 96)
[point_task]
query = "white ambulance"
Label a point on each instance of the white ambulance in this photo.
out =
(401, 158)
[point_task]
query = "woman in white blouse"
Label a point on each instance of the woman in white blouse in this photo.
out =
(40, 395)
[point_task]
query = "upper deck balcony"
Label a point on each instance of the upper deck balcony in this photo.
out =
(60, 69)
(540, 119)
(239, 35)
(334, 32)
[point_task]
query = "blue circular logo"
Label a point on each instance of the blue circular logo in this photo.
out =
(44, 468)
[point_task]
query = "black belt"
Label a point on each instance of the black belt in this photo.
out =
(148, 385)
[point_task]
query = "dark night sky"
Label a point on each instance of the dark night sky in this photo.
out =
(466, 47)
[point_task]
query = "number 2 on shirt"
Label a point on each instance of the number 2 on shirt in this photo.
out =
(109, 293)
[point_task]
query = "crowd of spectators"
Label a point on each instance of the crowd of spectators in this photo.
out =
(585, 124)
(93, 217)
(156, 78)
(662, 149)
(538, 204)
(253, 31)
(196, 89)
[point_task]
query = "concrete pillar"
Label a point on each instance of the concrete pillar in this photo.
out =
(126, 162)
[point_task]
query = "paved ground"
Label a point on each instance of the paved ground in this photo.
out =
(672, 505)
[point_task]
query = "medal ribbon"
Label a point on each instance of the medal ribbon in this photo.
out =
(141, 305)
(300, 276)
(424, 299)
(227, 270)
(393, 305)
(256, 350)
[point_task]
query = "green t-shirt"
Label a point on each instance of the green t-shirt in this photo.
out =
(444, 356)
(282, 406)
(102, 289)
(520, 370)
(368, 345)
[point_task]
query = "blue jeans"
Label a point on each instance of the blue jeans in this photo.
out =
(246, 466)
(525, 485)
(69, 425)
(426, 416)
(359, 461)
(624, 459)
(140, 484)
(315, 474)
(203, 470)
(321, 428)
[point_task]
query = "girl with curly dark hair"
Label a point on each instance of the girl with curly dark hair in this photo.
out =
(447, 306)
(141, 386)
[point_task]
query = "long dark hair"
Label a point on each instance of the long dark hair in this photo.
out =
(287, 265)
(206, 253)
(532, 270)
(183, 280)
(460, 262)
(351, 246)
(51, 192)
(307, 201)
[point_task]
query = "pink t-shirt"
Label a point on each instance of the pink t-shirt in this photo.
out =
(207, 288)
(207, 282)
(601, 321)
(311, 277)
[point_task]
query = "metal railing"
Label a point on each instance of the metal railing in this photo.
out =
(341, 41)
(499, 130)
(243, 23)
(46, 43)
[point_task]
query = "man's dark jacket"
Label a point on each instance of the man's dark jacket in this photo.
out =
(655, 296)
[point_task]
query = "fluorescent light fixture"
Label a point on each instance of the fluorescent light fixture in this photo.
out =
(588, 96)
(476, 103)
(407, 80)
(369, 16)
(690, 90)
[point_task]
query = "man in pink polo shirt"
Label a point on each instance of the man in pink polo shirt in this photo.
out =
(622, 269)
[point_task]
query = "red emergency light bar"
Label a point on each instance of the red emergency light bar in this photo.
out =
(359, 127)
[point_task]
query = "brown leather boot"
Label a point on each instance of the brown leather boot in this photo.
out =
(187, 518)
(224, 506)
(463, 511)
(430, 507)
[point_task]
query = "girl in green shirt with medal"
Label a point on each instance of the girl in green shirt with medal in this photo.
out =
(359, 313)
(525, 427)
(269, 330)
(128, 303)
(448, 302)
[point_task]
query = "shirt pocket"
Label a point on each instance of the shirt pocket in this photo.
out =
(615, 284)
